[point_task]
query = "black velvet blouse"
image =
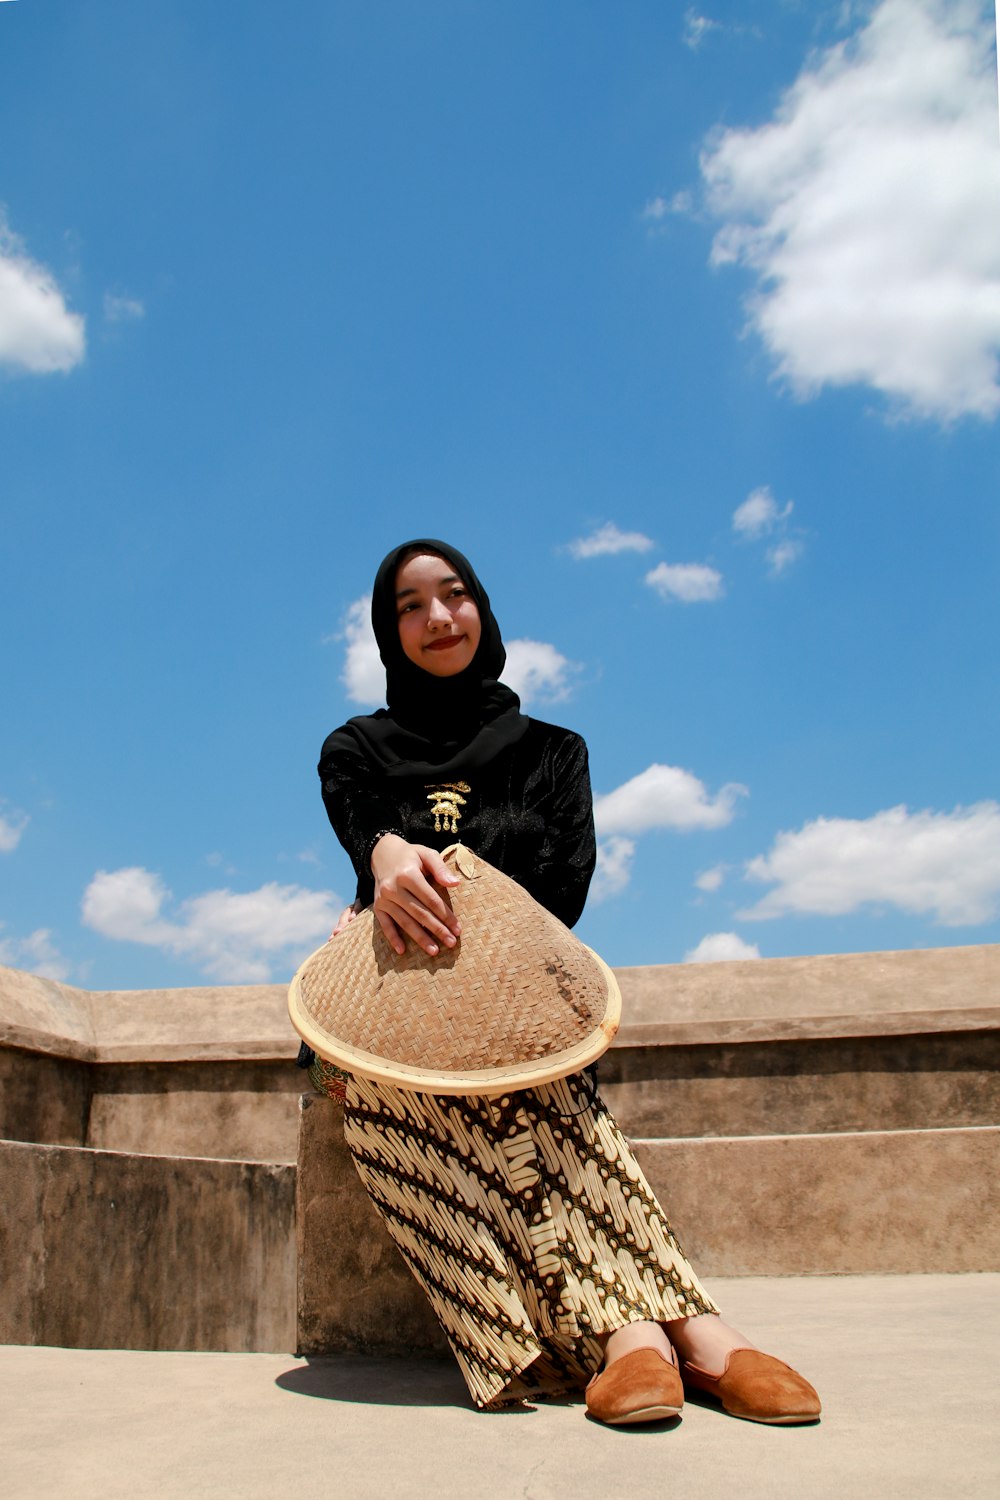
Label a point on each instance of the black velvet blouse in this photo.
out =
(529, 812)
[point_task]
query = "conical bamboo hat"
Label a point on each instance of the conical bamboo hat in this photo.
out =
(517, 1002)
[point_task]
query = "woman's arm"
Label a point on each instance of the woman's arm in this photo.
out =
(356, 805)
(560, 875)
(401, 879)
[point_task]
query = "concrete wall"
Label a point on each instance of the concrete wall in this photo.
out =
(104, 1250)
(795, 1115)
(354, 1291)
(873, 1202)
(802, 1085)
(201, 1072)
(865, 1203)
(876, 1041)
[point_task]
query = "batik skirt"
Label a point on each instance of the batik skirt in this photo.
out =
(528, 1223)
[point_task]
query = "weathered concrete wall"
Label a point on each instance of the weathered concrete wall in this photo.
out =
(249, 1110)
(355, 1293)
(875, 1041)
(174, 1072)
(809, 994)
(853, 1204)
(103, 1250)
(246, 1111)
(43, 1098)
(242, 1110)
(789, 1098)
(236, 1021)
(866, 1203)
(799, 1086)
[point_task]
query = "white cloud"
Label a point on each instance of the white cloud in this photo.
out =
(759, 514)
(126, 905)
(868, 209)
(35, 954)
(119, 308)
(721, 947)
(608, 539)
(711, 880)
(537, 671)
(690, 583)
(614, 867)
(697, 28)
(783, 554)
(38, 333)
(944, 864)
(659, 207)
(12, 826)
(363, 676)
(664, 797)
(234, 937)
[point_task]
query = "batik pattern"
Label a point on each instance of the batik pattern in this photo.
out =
(527, 1221)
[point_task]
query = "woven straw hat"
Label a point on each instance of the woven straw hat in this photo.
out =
(517, 1002)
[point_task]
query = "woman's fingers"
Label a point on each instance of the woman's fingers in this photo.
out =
(425, 902)
(405, 890)
(392, 933)
(346, 917)
(400, 926)
(435, 867)
(416, 921)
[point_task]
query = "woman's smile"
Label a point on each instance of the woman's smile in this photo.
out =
(445, 643)
(439, 624)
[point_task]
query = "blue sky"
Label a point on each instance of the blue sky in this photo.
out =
(684, 324)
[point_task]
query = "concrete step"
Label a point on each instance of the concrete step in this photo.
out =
(113, 1250)
(866, 1202)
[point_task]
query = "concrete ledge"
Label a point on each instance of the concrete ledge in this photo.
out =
(246, 1111)
(848, 994)
(104, 1250)
(238, 1021)
(817, 990)
(879, 1202)
(874, 1041)
(865, 1203)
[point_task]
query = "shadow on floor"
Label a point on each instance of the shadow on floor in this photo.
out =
(378, 1381)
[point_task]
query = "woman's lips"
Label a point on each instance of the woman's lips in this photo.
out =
(445, 643)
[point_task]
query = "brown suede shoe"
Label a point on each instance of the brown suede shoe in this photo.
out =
(758, 1388)
(640, 1387)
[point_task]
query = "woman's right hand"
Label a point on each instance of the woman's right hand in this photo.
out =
(407, 902)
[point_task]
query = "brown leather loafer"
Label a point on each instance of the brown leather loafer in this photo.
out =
(758, 1388)
(640, 1387)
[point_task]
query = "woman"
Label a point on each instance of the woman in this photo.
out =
(526, 1218)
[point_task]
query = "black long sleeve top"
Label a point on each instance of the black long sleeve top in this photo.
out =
(529, 813)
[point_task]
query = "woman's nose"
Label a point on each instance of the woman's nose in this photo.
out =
(438, 614)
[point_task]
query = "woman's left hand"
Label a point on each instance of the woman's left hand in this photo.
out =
(345, 919)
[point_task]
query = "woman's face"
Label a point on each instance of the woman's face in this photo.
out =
(439, 625)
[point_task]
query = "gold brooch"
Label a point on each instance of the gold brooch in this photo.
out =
(445, 802)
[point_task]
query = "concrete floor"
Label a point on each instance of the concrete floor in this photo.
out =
(907, 1367)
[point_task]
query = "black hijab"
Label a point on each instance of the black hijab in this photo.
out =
(436, 727)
